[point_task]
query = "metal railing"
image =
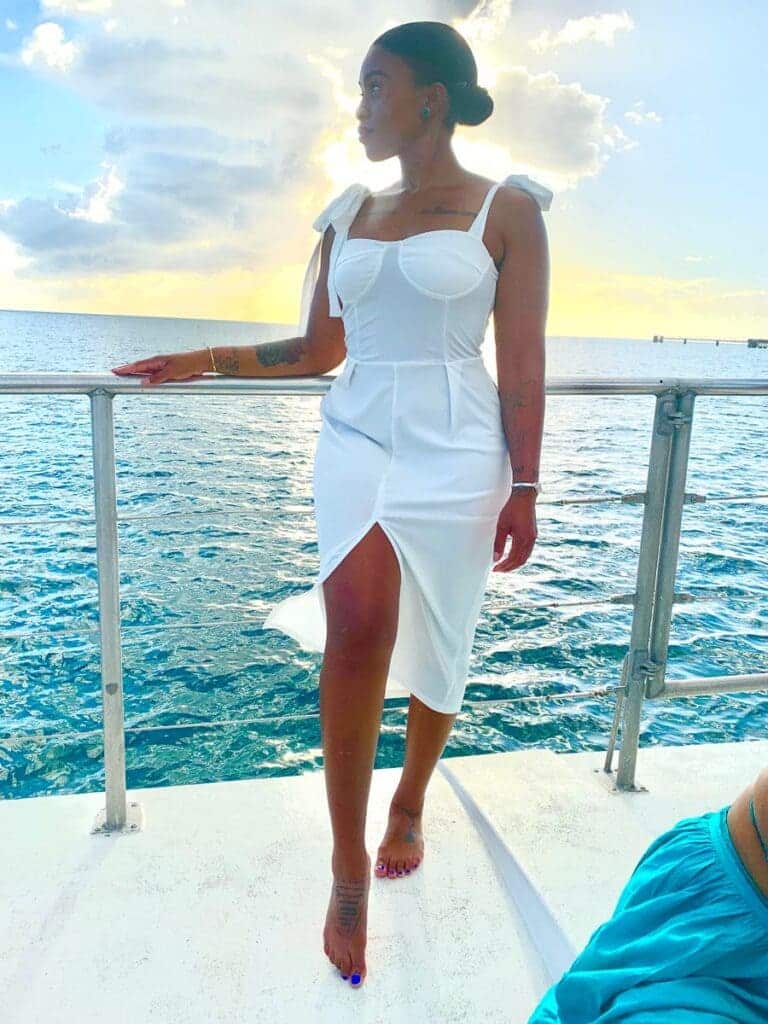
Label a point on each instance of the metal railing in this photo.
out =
(643, 667)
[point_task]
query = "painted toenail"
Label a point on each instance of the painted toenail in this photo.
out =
(345, 976)
(407, 871)
(355, 979)
(399, 872)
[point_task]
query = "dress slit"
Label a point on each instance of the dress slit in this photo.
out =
(399, 684)
(394, 545)
(303, 616)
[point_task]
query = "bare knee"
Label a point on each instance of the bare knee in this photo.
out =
(362, 597)
(360, 634)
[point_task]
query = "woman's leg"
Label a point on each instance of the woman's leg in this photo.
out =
(402, 848)
(362, 604)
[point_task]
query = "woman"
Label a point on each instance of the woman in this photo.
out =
(688, 940)
(417, 446)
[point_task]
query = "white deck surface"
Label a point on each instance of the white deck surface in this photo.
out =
(214, 911)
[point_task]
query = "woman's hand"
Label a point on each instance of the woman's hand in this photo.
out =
(175, 366)
(518, 520)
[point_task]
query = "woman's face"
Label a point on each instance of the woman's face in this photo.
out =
(390, 106)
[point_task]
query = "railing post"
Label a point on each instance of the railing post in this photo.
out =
(103, 438)
(670, 542)
(657, 567)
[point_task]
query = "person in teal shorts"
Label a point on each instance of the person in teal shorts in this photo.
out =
(688, 940)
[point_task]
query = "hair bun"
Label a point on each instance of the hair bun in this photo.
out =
(471, 103)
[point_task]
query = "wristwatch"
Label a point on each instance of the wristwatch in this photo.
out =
(526, 483)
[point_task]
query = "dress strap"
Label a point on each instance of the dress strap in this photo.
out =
(540, 193)
(477, 227)
(340, 212)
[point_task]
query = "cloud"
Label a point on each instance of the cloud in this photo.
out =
(66, 186)
(11, 25)
(167, 210)
(638, 116)
(43, 228)
(226, 120)
(48, 46)
(99, 198)
(77, 6)
(598, 28)
(557, 125)
(12, 261)
(213, 134)
(546, 126)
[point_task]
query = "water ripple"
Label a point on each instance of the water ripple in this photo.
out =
(194, 591)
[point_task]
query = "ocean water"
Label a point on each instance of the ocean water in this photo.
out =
(217, 498)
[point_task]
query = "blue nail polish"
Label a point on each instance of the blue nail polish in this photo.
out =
(407, 871)
(355, 979)
(345, 976)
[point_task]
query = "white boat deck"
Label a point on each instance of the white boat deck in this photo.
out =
(213, 911)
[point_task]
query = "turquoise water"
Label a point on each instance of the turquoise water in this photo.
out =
(195, 589)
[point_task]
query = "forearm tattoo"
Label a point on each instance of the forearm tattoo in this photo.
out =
(273, 353)
(519, 429)
(228, 362)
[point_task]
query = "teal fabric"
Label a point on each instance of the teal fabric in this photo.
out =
(686, 944)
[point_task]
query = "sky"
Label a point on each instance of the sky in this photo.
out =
(168, 157)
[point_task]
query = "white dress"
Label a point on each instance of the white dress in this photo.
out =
(411, 438)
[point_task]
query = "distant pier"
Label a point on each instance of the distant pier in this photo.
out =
(749, 342)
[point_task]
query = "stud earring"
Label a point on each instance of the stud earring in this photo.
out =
(424, 113)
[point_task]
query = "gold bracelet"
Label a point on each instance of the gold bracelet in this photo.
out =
(213, 363)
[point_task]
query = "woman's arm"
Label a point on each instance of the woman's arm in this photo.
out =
(289, 357)
(520, 314)
(318, 351)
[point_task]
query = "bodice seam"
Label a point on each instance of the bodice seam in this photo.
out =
(438, 231)
(489, 268)
(413, 362)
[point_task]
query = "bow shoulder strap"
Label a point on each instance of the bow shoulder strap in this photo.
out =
(340, 212)
(540, 193)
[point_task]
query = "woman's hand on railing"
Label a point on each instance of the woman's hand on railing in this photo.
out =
(174, 366)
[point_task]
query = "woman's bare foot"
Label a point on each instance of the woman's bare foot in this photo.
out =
(346, 923)
(402, 848)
